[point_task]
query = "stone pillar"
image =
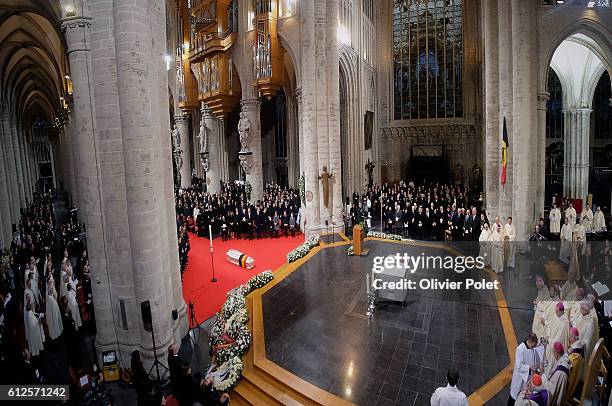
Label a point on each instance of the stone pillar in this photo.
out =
(524, 144)
(18, 157)
(77, 32)
(5, 201)
(182, 124)
(250, 155)
(139, 50)
(223, 156)
(11, 167)
(492, 135)
(505, 100)
(576, 152)
(541, 157)
(333, 124)
(209, 129)
(308, 117)
(26, 163)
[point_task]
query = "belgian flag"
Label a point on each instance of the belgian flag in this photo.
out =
(504, 153)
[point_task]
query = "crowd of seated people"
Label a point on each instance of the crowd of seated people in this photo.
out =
(231, 215)
(426, 211)
(45, 292)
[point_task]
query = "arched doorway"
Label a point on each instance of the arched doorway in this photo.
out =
(575, 66)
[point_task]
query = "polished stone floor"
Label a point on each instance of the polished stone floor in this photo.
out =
(316, 327)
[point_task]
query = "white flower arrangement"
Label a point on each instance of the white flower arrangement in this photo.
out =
(259, 281)
(385, 236)
(304, 249)
(231, 322)
(227, 374)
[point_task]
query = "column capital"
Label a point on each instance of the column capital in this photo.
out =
(250, 105)
(181, 118)
(543, 100)
(76, 30)
(207, 112)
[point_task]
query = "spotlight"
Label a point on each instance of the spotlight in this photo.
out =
(70, 10)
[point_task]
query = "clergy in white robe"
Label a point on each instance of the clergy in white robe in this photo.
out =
(556, 380)
(510, 241)
(35, 334)
(73, 305)
(574, 308)
(570, 215)
(580, 237)
(557, 329)
(497, 249)
(568, 293)
(53, 317)
(586, 218)
(586, 326)
(599, 221)
(555, 220)
(485, 244)
(541, 304)
(63, 283)
(566, 239)
(526, 360)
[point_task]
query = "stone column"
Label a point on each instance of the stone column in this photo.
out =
(209, 129)
(182, 124)
(5, 204)
(77, 32)
(26, 163)
(333, 124)
(11, 166)
(505, 100)
(524, 113)
(18, 157)
(576, 152)
(223, 156)
(139, 50)
(541, 157)
(250, 155)
(492, 135)
(308, 120)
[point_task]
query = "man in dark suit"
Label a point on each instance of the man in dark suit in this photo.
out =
(175, 366)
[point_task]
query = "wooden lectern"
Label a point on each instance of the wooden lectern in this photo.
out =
(357, 240)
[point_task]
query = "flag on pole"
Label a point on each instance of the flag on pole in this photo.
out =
(505, 145)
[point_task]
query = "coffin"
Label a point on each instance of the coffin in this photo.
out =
(238, 258)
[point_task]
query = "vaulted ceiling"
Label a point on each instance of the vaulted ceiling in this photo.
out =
(33, 66)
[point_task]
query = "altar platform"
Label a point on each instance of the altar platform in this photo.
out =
(313, 343)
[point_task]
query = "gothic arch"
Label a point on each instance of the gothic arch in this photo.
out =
(588, 27)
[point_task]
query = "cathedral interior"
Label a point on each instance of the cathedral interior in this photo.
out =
(290, 143)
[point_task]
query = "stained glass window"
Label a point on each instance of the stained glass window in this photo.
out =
(428, 56)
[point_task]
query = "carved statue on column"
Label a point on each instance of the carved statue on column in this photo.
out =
(177, 153)
(244, 129)
(203, 137)
(370, 168)
(325, 178)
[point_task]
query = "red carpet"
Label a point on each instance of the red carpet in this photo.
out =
(207, 296)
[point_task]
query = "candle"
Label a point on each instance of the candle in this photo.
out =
(210, 235)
